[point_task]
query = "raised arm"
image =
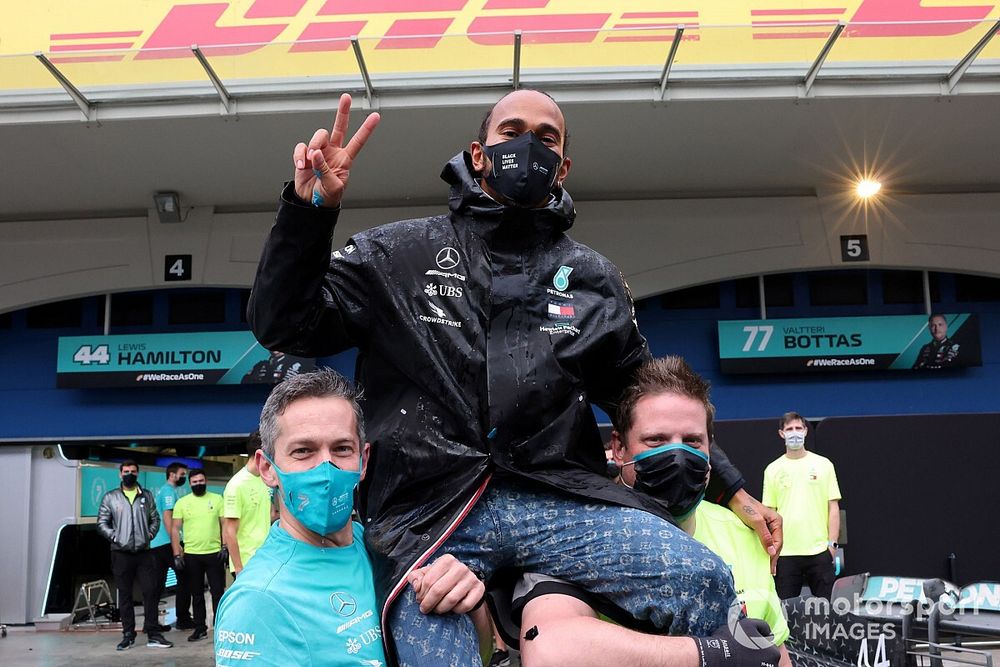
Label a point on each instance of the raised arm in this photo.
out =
(301, 302)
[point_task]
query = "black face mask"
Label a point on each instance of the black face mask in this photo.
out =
(523, 170)
(676, 474)
(129, 479)
(181, 481)
(198, 489)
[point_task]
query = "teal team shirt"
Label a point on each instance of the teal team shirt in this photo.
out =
(166, 498)
(297, 604)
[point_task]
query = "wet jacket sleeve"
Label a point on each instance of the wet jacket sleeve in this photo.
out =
(304, 301)
(726, 479)
(620, 351)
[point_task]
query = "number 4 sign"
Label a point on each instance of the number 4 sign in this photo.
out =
(176, 267)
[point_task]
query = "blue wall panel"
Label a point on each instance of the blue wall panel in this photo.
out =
(32, 407)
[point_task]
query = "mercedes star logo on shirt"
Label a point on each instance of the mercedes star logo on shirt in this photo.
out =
(343, 604)
(447, 258)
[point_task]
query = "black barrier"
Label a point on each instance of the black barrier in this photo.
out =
(917, 488)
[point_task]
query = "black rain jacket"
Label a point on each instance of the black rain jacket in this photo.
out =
(484, 337)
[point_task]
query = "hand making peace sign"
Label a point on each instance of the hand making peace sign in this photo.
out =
(323, 167)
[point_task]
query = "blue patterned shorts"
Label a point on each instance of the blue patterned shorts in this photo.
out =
(636, 560)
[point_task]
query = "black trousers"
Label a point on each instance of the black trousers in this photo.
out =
(128, 566)
(816, 571)
(163, 555)
(197, 568)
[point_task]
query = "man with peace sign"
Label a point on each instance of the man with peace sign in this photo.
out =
(485, 334)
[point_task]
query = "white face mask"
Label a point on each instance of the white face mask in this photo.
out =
(795, 440)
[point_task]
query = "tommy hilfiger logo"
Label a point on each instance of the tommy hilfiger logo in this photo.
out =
(561, 311)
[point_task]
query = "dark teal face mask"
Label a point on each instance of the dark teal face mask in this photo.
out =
(321, 498)
(675, 474)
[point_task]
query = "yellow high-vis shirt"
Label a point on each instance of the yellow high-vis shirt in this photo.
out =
(201, 516)
(801, 491)
(248, 499)
(722, 531)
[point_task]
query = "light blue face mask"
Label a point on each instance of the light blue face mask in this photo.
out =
(795, 440)
(321, 498)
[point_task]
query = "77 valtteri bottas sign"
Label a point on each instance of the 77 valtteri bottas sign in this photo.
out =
(849, 343)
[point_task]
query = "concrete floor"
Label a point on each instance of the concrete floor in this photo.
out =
(24, 646)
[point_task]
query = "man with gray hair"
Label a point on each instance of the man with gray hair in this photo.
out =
(307, 597)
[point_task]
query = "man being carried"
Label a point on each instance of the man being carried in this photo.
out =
(485, 336)
(307, 597)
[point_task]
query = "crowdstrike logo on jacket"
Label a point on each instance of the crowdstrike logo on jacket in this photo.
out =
(440, 317)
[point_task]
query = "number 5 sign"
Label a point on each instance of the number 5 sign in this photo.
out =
(854, 248)
(176, 267)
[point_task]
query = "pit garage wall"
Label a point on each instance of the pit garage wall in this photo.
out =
(40, 495)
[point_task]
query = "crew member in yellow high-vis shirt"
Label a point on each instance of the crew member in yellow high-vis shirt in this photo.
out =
(247, 511)
(664, 425)
(721, 531)
(202, 555)
(802, 486)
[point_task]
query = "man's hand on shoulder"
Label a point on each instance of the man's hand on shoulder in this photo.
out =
(447, 585)
(323, 166)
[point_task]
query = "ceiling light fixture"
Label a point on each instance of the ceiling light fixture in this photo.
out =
(867, 188)
(168, 206)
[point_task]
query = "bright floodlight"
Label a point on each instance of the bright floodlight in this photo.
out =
(868, 187)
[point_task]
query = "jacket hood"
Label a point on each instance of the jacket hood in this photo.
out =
(467, 197)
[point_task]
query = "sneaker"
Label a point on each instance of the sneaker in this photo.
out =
(186, 624)
(127, 642)
(156, 640)
(198, 634)
(499, 659)
(163, 628)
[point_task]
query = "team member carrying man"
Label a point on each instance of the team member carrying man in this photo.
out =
(664, 425)
(307, 597)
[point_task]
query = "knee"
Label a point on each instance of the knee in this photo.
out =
(542, 652)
